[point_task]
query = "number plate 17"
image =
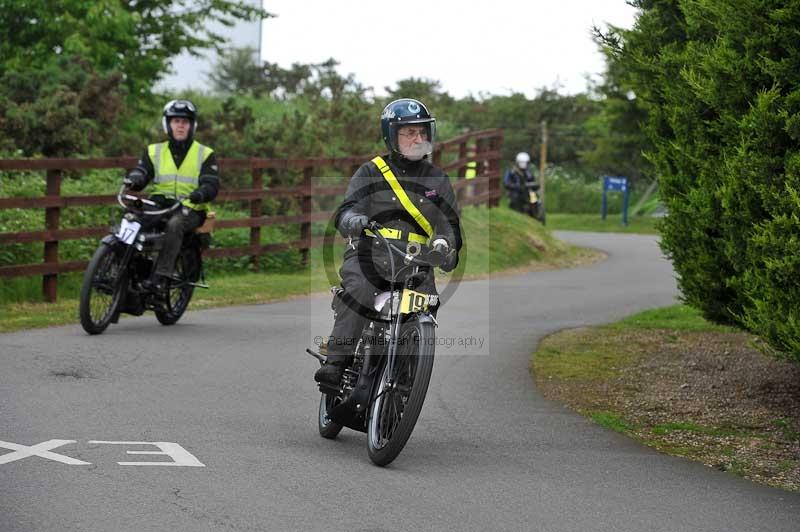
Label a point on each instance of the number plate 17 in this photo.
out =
(128, 231)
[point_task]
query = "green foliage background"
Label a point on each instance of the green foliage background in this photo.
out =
(76, 80)
(720, 81)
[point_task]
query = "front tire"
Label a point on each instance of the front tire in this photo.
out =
(102, 289)
(396, 408)
(178, 294)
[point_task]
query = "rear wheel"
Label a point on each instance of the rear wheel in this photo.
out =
(102, 289)
(397, 406)
(327, 428)
(179, 292)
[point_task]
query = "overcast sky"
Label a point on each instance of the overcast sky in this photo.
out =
(470, 47)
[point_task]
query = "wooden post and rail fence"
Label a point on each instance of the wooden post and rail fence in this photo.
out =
(450, 155)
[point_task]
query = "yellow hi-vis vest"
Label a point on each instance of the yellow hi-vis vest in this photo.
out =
(171, 181)
(472, 170)
(407, 204)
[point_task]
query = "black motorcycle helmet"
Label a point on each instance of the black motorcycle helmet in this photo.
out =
(403, 112)
(179, 108)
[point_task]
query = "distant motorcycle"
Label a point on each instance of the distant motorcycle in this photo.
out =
(534, 207)
(382, 391)
(112, 283)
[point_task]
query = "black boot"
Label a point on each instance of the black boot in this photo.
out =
(157, 284)
(330, 373)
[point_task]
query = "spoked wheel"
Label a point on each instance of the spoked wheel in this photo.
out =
(102, 290)
(327, 428)
(396, 407)
(179, 293)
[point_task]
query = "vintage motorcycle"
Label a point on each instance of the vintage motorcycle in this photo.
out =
(112, 283)
(534, 207)
(382, 391)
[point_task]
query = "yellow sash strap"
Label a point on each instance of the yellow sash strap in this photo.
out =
(408, 205)
(397, 234)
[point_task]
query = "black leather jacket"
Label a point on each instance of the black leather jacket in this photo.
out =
(427, 186)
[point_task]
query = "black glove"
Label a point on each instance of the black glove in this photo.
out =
(135, 180)
(439, 240)
(450, 261)
(356, 223)
(196, 197)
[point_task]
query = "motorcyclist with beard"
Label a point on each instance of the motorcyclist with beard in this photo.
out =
(412, 200)
(180, 167)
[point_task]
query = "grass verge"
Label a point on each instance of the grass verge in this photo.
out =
(593, 223)
(496, 240)
(673, 381)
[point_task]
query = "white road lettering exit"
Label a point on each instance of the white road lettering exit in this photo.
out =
(179, 457)
(41, 450)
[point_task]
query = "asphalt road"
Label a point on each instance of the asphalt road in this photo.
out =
(232, 392)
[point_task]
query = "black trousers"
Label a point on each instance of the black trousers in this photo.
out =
(361, 283)
(181, 222)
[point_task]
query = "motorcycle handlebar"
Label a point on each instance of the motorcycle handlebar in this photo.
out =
(434, 256)
(122, 196)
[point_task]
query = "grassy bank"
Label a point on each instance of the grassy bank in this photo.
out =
(593, 222)
(673, 381)
(495, 240)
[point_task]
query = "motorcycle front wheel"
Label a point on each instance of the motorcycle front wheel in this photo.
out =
(396, 407)
(178, 294)
(102, 289)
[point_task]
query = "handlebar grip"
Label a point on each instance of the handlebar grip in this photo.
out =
(441, 245)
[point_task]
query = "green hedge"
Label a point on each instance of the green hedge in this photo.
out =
(721, 80)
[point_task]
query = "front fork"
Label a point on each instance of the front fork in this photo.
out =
(395, 328)
(393, 336)
(122, 274)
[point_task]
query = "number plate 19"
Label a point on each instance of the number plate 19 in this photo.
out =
(416, 301)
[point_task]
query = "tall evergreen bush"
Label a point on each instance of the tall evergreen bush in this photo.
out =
(721, 83)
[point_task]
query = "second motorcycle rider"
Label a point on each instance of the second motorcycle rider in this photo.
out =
(414, 202)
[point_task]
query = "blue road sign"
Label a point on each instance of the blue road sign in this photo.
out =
(616, 184)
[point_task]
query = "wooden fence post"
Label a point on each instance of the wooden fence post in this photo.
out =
(256, 212)
(305, 208)
(480, 148)
(52, 218)
(494, 171)
(462, 170)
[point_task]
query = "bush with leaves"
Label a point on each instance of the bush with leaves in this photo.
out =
(721, 83)
(63, 109)
(139, 38)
